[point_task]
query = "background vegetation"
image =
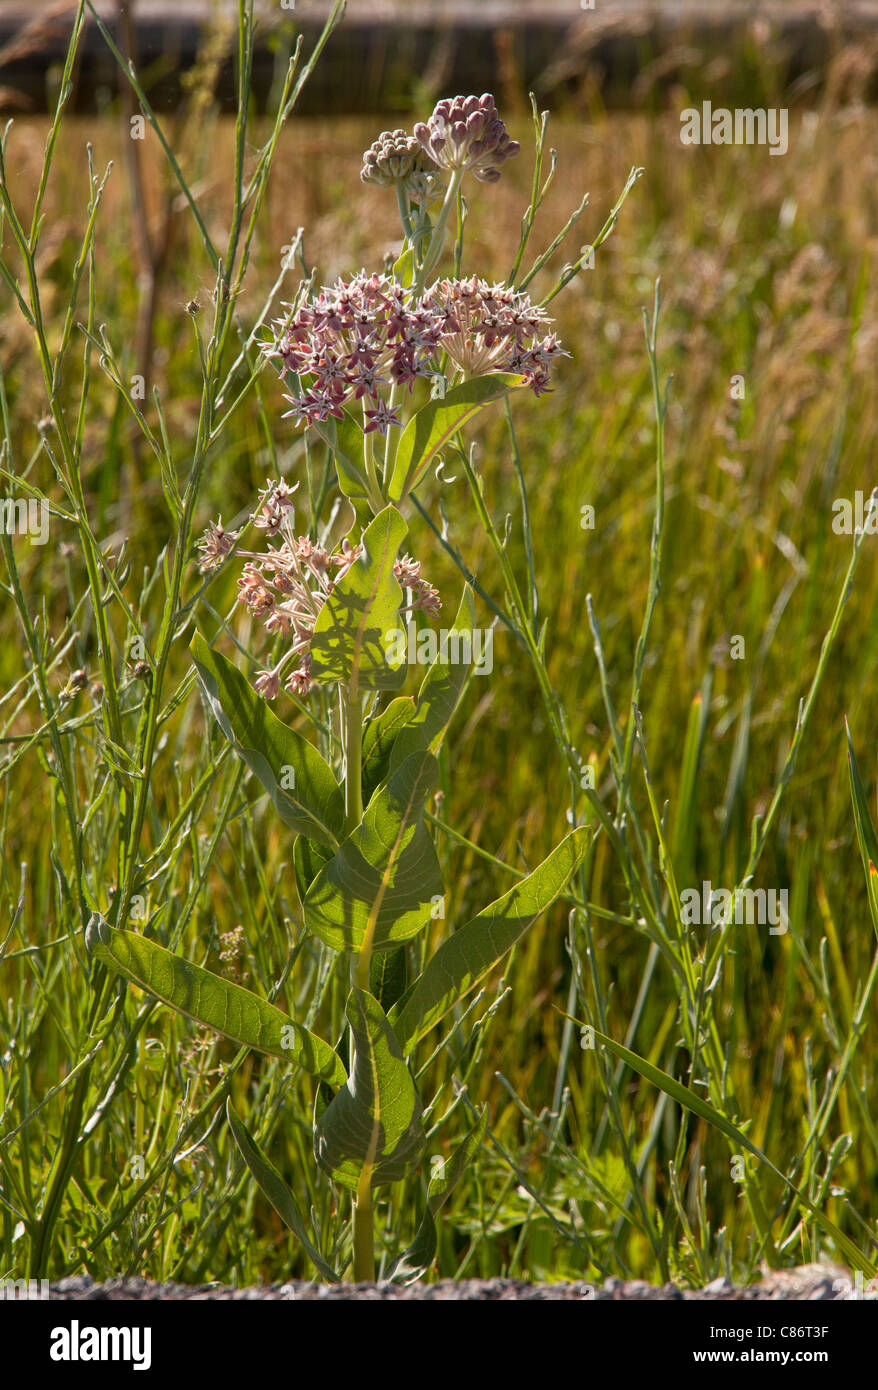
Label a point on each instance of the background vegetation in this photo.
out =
(767, 270)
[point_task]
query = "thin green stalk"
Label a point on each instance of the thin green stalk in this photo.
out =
(437, 240)
(402, 202)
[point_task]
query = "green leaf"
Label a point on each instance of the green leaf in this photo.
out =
(464, 960)
(438, 696)
(277, 1191)
(866, 836)
(445, 1180)
(345, 441)
(308, 859)
(301, 784)
(119, 759)
(378, 740)
(690, 1100)
(219, 1004)
(404, 267)
(350, 638)
(414, 1261)
(385, 875)
(433, 426)
(374, 1122)
(686, 822)
(388, 973)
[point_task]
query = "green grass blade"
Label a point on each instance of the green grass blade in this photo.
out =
(698, 1106)
(866, 837)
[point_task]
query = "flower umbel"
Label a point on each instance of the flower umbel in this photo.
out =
(363, 336)
(492, 328)
(287, 586)
(351, 342)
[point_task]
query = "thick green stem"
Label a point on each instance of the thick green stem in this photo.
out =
(402, 202)
(364, 1231)
(352, 714)
(374, 487)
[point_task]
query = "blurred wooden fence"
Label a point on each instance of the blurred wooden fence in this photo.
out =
(387, 55)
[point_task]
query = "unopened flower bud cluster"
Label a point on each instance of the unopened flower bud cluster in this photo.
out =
(396, 157)
(464, 134)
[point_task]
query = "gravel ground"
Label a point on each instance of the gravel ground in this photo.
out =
(809, 1282)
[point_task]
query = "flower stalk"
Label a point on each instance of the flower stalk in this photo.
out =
(352, 724)
(437, 239)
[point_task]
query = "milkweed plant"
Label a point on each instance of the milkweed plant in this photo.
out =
(386, 369)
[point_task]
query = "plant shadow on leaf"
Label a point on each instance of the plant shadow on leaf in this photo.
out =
(386, 876)
(375, 1121)
(350, 640)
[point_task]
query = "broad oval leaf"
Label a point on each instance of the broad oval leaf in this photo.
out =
(219, 1004)
(299, 781)
(350, 640)
(433, 427)
(308, 859)
(378, 739)
(472, 952)
(277, 1191)
(388, 976)
(440, 691)
(385, 877)
(344, 438)
(374, 1122)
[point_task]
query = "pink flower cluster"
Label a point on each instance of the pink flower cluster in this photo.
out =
(286, 589)
(352, 342)
(493, 328)
(365, 335)
(287, 586)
